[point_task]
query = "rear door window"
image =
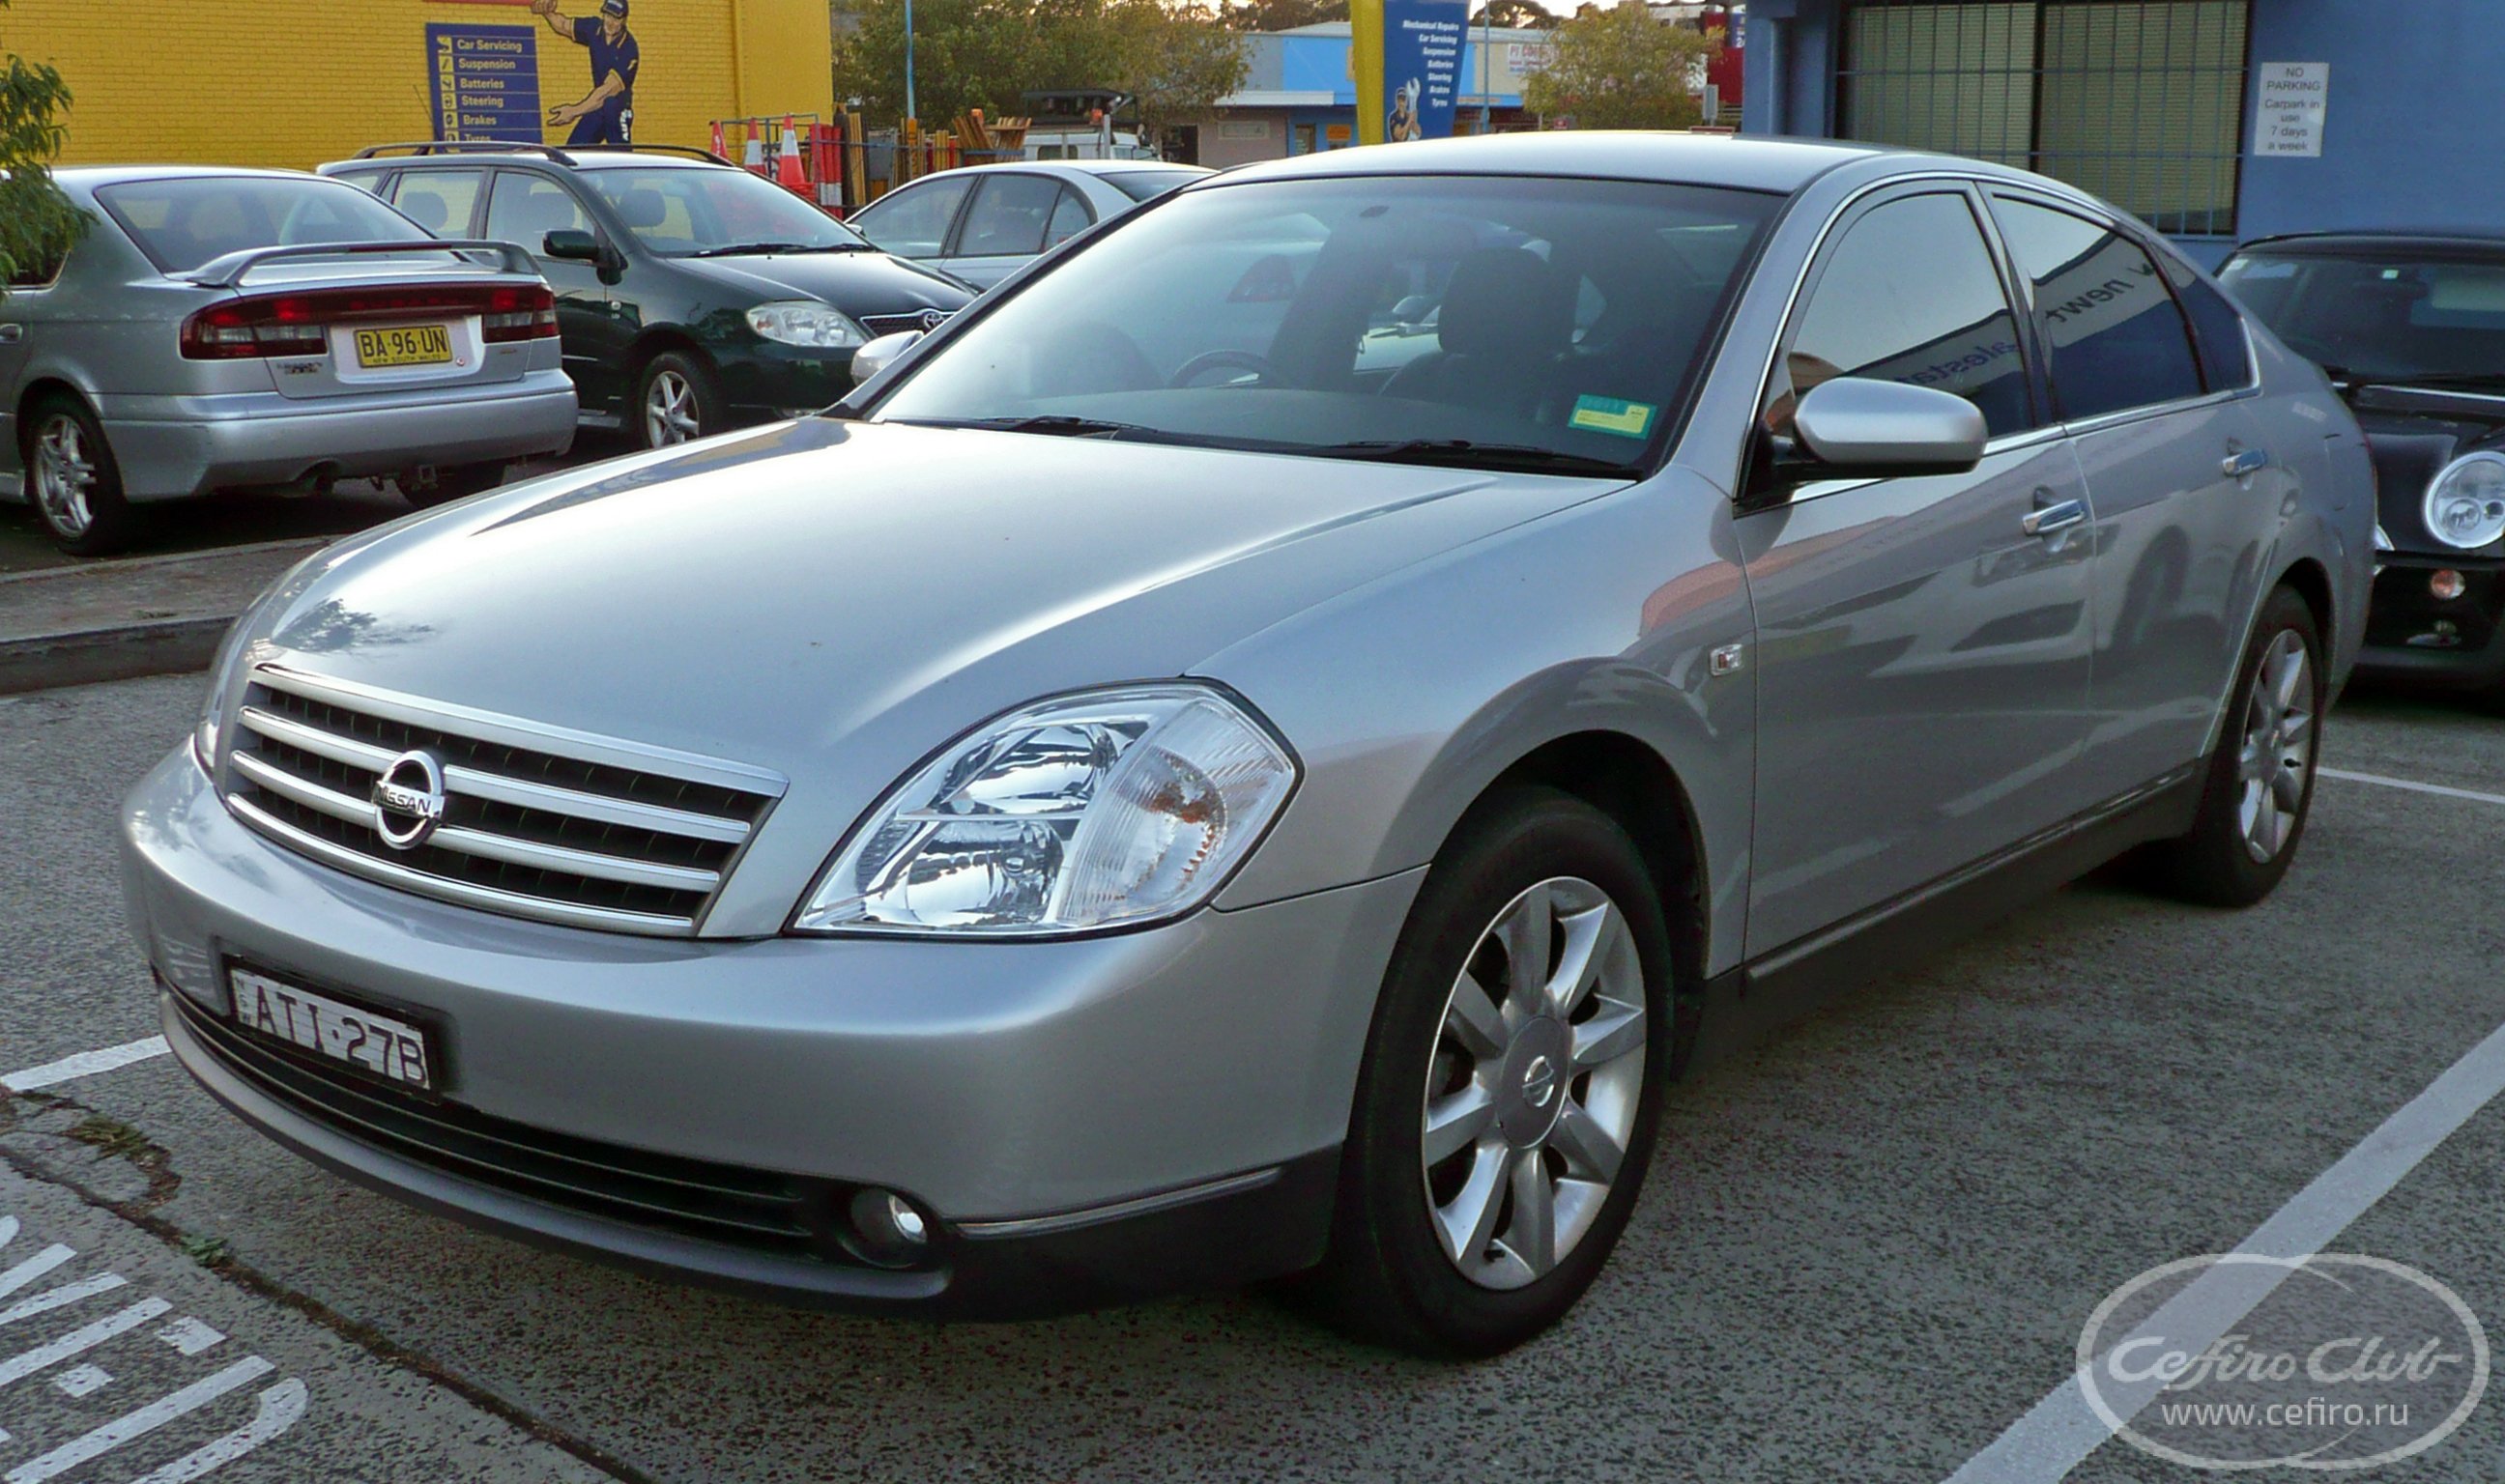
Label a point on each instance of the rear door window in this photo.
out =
(1069, 219)
(442, 202)
(1910, 293)
(1009, 217)
(2118, 340)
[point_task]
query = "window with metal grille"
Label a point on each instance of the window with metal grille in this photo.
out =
(2138, 101)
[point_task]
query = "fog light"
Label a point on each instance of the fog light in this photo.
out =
(2446, 585)
(887, 1231)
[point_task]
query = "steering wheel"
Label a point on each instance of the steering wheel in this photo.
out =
(1211, 361)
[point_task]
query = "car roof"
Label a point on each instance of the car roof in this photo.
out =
(579, 158)
(89, 177)
(1714, 160)
(2471, 244)
(1067, 167)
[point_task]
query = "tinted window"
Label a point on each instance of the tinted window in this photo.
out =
(184, 223)
(1551, 324)
(1008, 215)
(1147, 184)
(1910, 293)
(1069, 219)
(2386, 313)
(678, 211)
(442, 202)
(2118, 340)
(913, 223)
(525, 208)
(2217, 330)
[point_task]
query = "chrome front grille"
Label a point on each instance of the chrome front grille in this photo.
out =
(893, 324)
(535, 822)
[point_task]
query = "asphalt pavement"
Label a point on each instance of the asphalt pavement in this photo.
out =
(1864, 1252)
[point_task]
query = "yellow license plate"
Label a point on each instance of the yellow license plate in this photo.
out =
(406, 345)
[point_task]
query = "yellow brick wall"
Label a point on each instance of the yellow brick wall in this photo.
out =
(294, 83)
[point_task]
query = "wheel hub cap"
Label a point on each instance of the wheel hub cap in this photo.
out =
(2270, 771)
(1531, 1096)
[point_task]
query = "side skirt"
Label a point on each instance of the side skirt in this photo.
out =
(1745, 1004)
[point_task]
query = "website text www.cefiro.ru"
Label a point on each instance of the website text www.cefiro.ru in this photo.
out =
(2312, 1412)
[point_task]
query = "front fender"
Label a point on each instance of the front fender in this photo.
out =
(1408, 697)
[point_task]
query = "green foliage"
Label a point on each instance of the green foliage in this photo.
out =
(1524, 13)
(1175, 56)
(1279, 15)
(36, 223)
(1620, 69)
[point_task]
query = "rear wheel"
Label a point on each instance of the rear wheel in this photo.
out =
(73, 480)
(2259, 786)
(675, 402)
(1507, 1109)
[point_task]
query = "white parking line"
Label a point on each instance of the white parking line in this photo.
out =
(2439, 789)
(84, 1064)
(2061, 1431)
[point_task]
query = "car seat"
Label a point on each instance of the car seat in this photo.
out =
(1506, 319)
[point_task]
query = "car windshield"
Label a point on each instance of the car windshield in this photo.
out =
(2382, 315)
(688, 212)
(1146, 185)
(1494, 321)
(185, 222)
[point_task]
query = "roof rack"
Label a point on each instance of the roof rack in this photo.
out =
(467, 147)
(691, 152)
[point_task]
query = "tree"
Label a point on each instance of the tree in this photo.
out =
(1527, 15)
(1175, 56)
(1620, 69)
(1279, 15)
(36, 223)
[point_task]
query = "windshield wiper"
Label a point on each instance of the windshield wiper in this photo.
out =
(763, 249)
(1462, 453)
(1053, 424)
(2451, 381)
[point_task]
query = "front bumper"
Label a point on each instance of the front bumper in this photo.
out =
(168, 447)
(1085, 1119)
(763, 381)
(2456, 643)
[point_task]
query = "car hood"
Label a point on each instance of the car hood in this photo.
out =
(2414, 433)
(833, 599)
(856, 283)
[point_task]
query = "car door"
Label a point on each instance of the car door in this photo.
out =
(915, 220)
(1003, 226)
(2178, 475)
(22, 311)
(523, 207)
(1922, 643)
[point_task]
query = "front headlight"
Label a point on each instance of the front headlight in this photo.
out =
(806, 322)
(2465, 505)
(1104, 809)
(222, 673)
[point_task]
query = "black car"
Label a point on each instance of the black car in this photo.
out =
(692, 295)
(2411, 330)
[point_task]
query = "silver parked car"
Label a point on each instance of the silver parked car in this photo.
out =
(983, 222)
(232, 329)
(1144, 797)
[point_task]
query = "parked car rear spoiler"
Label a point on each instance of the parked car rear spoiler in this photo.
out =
(228, 271)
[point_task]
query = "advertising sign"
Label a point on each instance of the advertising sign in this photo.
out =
(1407, 56)
(485, 81)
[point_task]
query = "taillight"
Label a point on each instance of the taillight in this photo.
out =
(518, 314)
(298, 324)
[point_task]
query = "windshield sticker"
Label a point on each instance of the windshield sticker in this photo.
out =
(1608, 414)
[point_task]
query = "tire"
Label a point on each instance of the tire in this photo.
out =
(2259, 784)
(459, 482)
(674, 380)
(1388, 1277)
(73, 480)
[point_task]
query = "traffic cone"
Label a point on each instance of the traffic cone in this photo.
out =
(787, 162)
(756, 158)
(719, 148)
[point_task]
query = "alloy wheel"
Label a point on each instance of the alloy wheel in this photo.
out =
(670, 412)
(1533, 1090)
(65, 473)
(2272, 769)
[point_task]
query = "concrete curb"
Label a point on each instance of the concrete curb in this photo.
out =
(142, 616)
(169, 646)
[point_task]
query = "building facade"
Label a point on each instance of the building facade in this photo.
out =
(1299, 92)
(292, 82)
(2215, 121)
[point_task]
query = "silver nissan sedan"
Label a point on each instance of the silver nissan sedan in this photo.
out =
(1171, 785)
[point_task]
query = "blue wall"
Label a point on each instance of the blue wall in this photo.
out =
(2414, 136)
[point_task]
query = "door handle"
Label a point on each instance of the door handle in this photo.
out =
(2061, 515)
(2243, 461)
(10, 335)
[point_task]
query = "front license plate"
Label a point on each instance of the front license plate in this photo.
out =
(404, 345)
(392, 1049)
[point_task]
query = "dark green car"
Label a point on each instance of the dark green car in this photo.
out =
(692, 295)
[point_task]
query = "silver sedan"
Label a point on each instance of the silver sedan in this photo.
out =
(983, 222)
(1166, 787)
(229, 328)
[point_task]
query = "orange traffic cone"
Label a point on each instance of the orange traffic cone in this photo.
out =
(756, 155)
(787, 162)
(719, 148)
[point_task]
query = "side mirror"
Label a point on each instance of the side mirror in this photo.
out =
(571, 244)
(1856, 427)
(880, 353)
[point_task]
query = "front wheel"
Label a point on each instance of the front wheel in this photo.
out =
(675, 402)
(1507, 1107)
(2259, 786)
